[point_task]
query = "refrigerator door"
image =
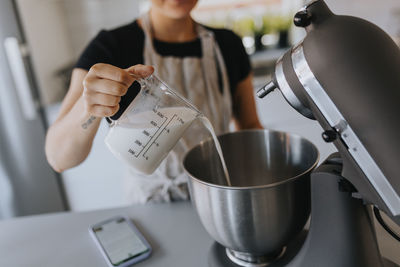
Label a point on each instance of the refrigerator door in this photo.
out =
(27, 183)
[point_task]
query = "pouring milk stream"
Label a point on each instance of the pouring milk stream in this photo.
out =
(151, 126)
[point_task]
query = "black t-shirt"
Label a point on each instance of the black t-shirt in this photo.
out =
(123, 47)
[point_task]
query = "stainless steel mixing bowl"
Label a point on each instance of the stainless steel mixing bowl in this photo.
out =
(269, 201)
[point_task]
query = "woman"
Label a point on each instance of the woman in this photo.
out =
(208, 66)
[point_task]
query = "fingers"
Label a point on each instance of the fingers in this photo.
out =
(93, 98)
(140, 71)
(101, 105)
(109, 72)
(105, 84)
(103, 87)
(109, 87)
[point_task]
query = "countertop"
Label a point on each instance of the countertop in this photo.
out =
(173, 230)
(62, 239)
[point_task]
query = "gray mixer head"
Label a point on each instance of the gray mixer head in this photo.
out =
(346, 74)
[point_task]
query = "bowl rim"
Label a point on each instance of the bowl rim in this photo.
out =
(255, 186)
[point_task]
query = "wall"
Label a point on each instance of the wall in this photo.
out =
(85, 18)
(45, 28)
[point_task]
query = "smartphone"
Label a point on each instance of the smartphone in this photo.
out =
(120, 241)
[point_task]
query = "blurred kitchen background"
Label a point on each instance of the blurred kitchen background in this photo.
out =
(51, 34)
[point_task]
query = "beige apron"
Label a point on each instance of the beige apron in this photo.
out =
(197, 80)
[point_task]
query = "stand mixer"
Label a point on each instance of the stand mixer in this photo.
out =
(346, 75)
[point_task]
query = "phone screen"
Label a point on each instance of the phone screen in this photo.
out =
(119, 241)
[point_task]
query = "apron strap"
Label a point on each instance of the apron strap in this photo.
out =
(147, 29)
(213, 64)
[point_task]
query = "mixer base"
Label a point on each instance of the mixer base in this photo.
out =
(217, 256)
(249, 260)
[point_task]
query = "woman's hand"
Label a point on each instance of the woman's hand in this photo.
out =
(104, 85)
(91, 96)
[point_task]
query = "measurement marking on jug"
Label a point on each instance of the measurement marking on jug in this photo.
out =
(160, 115)
(138, 143)
(156, 137)
(146, 133)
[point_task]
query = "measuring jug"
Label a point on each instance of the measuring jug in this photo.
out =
(151, 125)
